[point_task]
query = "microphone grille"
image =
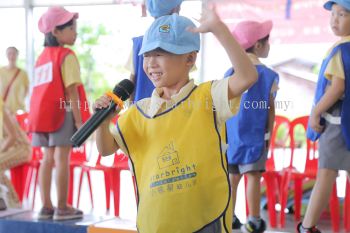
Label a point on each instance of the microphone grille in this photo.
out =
(124, 89)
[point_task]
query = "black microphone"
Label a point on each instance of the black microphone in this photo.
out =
(123, 90)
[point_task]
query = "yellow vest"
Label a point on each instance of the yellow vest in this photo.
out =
(180, 170)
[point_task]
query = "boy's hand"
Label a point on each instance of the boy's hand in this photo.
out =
(104, 102)
(209, 22)
(315, 122)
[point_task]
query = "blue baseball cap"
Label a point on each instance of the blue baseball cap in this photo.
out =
(158, 8)
(344, 3)
(169, 33)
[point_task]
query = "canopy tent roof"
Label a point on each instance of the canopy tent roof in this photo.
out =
(295, 21)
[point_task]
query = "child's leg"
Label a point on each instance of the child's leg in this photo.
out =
(61, 156)
(45, 174)
(234, 179)
(319, 196)
(253, 193)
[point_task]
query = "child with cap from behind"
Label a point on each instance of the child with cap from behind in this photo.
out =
(248, 132)
(330, 117)
(54, 108)
(172, 138)
(143, 86)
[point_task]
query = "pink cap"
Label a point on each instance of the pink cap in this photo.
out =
(247, 33)
(53, 17)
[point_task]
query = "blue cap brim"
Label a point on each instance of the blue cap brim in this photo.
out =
(344, 3)
(171, 48)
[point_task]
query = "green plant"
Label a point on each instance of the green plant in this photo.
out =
(87, 42)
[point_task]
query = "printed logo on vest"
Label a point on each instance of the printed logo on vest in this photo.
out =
(168, 157)
(43, 74)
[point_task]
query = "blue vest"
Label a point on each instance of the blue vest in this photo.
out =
(321, 88)
(143, 86)
(246, 131)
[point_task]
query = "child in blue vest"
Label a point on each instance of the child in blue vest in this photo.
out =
(143, 86)
(54, 108)
(172, 138)
(248, 131)
(330, 117)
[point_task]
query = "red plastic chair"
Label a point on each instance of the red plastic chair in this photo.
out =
(77, 159)
(290, 174)
(112, 176)
(22, 120)
(272, 177)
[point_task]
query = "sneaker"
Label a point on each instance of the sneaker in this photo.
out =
(301, 229)
(67, 214)
(46, 213)
(236, 224)
(250, 227)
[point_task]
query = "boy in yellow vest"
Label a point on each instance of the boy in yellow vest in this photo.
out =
(172, 138)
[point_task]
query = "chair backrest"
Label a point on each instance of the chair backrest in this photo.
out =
(120, 157)
(78, 154)
(311, 160)
(37, 153)
(280, 121)
(22, 120)
(115, 119)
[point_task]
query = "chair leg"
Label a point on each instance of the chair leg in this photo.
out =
(347, 208)
(79, 187)
(271, 199)
(334, 209)
(90, 188)
(284, 196)
(24, 173)
(28, 181)
(71, 185)
(35, 185)
(298, 189)
(108, 177)
(116, 191)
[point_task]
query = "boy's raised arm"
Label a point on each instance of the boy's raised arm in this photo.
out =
(245, 73)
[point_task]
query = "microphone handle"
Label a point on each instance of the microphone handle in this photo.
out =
(91, 125)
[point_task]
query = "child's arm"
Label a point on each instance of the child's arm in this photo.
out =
(245, 73)
(332, 95)
(271, 117)
(106, 144)
(73, 98)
